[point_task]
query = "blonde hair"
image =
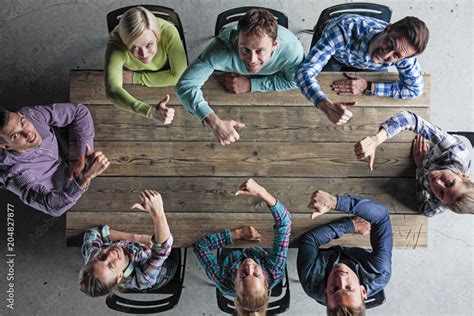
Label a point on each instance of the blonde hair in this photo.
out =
(248, 304)
(91, 285)
(134, 22)
(464, 204)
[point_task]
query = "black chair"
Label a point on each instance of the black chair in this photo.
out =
(164, 13)
(172, 289)
(233, 15)
(468, 135)
(279, 296)
(374, 10)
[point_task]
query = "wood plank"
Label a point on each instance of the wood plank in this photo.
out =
(209, 194)
(280, 124)
(409, 231)
(87, 86)
(252, 159)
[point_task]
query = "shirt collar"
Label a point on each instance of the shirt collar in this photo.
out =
(129, 269)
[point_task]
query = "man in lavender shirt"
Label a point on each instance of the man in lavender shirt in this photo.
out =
(30, 162)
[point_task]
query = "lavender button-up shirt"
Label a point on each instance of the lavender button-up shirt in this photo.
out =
(39, 177)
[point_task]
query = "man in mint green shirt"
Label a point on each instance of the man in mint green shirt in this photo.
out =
(259, 56)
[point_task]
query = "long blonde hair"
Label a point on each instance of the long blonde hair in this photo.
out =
(134, 22)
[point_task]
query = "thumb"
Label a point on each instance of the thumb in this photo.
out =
(371, 162)
(238, 124)
(164, 101)
(241, 192)
(314, 215)
(350, 75)
(138, 206)
(88, 150)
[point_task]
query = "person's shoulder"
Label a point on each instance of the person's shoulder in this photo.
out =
(221, 48)
(167, 29)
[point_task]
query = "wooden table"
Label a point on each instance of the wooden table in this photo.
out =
(288, 146)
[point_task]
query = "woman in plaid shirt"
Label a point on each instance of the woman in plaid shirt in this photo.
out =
(118, 260)
(248, 274)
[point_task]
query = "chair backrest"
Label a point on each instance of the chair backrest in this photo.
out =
(373, 10)
(164, 13)
(172, 289)
(233, 15)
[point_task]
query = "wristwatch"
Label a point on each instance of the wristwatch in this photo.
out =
(368, 91)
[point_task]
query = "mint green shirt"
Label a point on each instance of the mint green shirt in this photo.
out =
(170, 51)
(277, 74)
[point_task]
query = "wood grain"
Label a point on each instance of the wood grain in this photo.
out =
(281, 124)
(252, 159)
(210, 194)
(87, 86)
(187, 228)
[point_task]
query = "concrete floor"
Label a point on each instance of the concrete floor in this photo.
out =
(42, 40)
(433, 281)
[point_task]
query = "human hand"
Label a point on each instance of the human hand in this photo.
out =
(362, 227)
(421, 146)
(224, 130)
(337, 112)
(161, 113)
(246, 233)
(353, 86)
(322, 202)
(236, 84)
(127, 76)
(365, 150)
(251, 187)
(151, 202)
(78, 167)
(95, 164)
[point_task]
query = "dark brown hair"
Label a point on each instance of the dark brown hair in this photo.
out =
(258, 22)
(414, 30)
(347, 311)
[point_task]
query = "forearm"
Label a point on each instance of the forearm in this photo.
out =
(189, 90)
(162, 230)
(116, 235)
(275, 82)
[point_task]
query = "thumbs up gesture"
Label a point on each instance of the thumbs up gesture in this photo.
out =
(161, 113)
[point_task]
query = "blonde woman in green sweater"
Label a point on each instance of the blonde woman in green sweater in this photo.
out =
(137, 51)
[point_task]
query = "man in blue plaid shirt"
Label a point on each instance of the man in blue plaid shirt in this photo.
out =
(368, 44)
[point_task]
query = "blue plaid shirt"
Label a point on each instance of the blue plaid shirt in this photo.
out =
(447, 151)
(273, 263)
(147, 267)
(347, 39)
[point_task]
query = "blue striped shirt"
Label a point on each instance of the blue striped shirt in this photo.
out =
(447, 151)
(347, 39)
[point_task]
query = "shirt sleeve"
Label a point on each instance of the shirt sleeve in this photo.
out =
(281, 239)
(34, 194)
(95, 239)
(114, 62)
(174, 48)
(189, 85)
(332, 39)
(147, 273)
(407, 120)
(63, 114)
(410, 85)
(378, 216)
(203, 250)
(311, 241)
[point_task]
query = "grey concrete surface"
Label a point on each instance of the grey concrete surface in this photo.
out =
(42, 40)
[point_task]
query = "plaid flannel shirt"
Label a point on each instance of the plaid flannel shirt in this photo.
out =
(347, 39)
(272, 263)
(147, 265)
(447, 151)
